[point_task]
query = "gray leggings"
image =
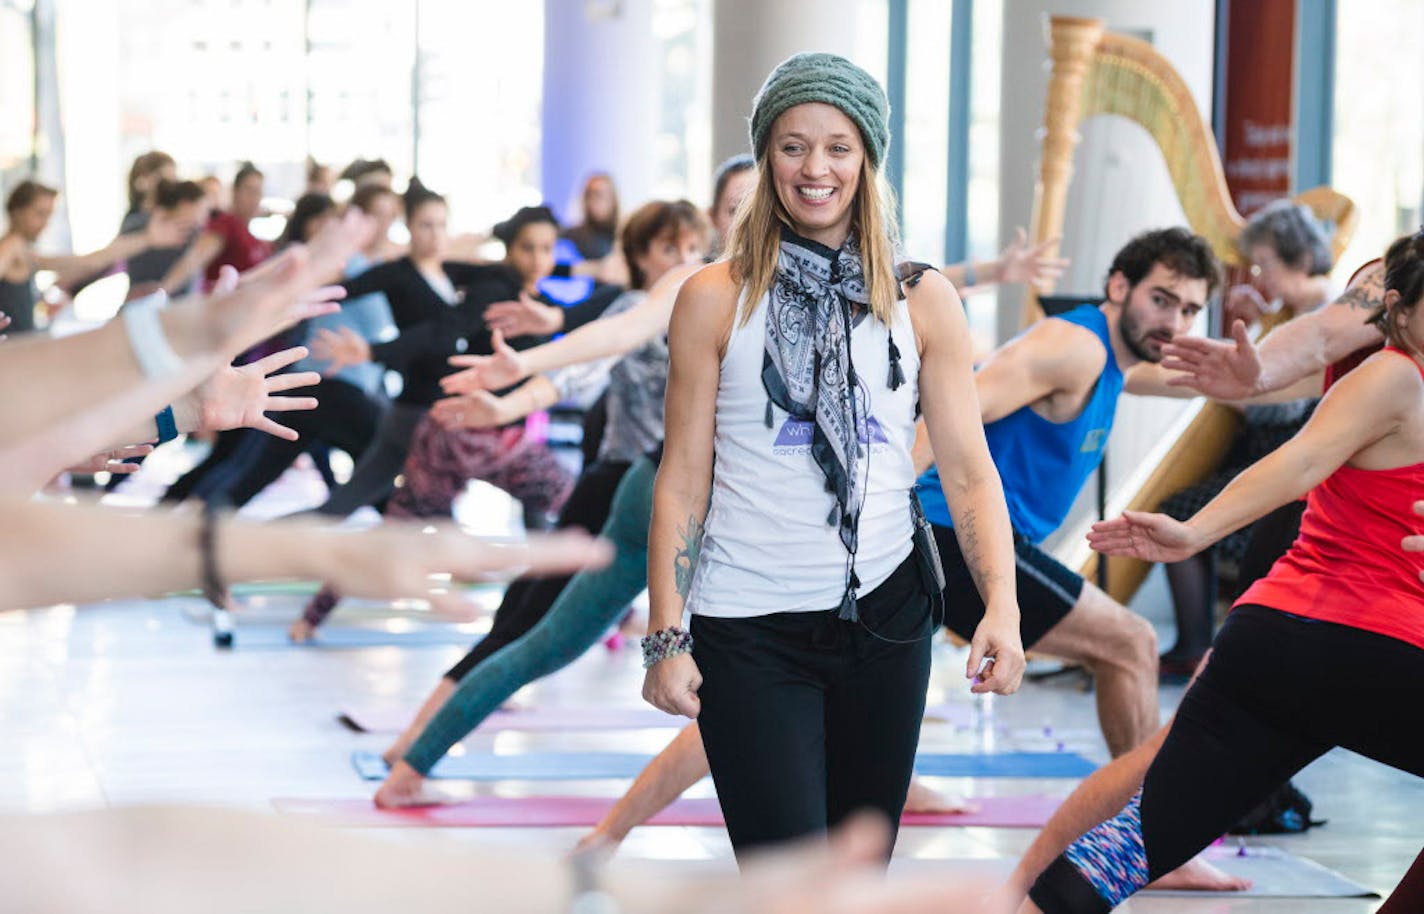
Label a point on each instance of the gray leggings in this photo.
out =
(374, 478)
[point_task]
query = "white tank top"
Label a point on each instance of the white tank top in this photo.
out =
(766, 546)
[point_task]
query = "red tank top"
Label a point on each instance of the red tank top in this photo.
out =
(1347, 566)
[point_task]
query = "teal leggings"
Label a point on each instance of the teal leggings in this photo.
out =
(590, 603)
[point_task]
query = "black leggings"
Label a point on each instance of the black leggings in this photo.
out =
(1278, 692)
(807, 718)
(345, 417)
(528, 599)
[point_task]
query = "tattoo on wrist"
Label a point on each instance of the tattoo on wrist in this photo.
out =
(685, 562)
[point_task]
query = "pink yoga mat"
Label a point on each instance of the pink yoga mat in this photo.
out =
(554, 812)
(388, 720)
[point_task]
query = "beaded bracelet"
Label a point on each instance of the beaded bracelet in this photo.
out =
(660, 645)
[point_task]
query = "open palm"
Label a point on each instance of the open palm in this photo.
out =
(1150, 537)
(241, 397)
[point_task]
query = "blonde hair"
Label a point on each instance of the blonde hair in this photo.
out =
(754, 242)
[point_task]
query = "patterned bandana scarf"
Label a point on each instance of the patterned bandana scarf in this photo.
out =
(807, 369)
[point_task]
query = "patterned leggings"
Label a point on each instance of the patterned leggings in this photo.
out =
(1278, 692)
(440, 463)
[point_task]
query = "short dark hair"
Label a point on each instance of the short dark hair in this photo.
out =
(735, 165)
(525, 216)
(367, 194)
(244, 171)
(25, 193)
(1292, 231)
(360, 168)
(1177, 249)
(308, 208)
(168, 194)
(652, 221)
(1403, 273)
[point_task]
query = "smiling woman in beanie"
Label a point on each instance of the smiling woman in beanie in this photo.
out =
(798, 364)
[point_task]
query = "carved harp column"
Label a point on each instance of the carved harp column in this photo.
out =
(1071, 43)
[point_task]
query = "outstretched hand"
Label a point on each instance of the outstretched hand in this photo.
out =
(1018, 262)
(240, 397)
(113, 461)
(1149, 537)
(339, 348)
(525, 317)
(480, 409)
(1224, 369)
(486, 372)
(1415, 543)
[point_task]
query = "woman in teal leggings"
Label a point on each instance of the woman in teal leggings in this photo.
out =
(583, 612)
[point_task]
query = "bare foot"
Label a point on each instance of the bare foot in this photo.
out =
(597, 840)
(1196, 875)
(405, 787)
(926, 799)
(301, 631)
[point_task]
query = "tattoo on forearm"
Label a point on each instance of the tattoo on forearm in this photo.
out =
(969, 543)
(1368, 294)
(685, 562)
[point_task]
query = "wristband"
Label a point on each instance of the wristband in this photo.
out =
(167, 426)
(214, 587)
(150, 346)
(660, 645)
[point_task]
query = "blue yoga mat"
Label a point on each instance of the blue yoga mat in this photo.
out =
(342, 637)
(586, 766)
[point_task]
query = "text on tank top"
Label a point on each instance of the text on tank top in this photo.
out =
(766, 546)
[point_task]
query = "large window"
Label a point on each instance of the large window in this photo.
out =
(1379, 122)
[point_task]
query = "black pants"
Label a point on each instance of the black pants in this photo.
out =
(528, 599)
(374, 477)
(1278, 692)
(807, 718)
(345, 417)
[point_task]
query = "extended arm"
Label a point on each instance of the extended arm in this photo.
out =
(1018, 262)
(704, 313)
(1236, 369)
(194, 261)
(137, 555)
(1357, 412)
(609, 337)
(971, 483)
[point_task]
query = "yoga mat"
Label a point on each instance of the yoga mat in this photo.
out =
(584, 766)
(346, 637)
(532, 720)
(566, 812)
(1276, 873)
(540, 720)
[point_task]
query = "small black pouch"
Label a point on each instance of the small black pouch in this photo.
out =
(926, 549)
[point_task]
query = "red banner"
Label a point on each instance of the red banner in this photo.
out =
(1260, 53)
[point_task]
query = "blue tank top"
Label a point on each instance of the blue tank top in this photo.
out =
(1043, 464)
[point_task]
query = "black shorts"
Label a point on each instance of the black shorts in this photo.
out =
(1048, 590)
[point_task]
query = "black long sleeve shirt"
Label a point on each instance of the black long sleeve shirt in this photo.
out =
(431, 330)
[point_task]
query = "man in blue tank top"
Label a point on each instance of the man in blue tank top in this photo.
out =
(1048, 398)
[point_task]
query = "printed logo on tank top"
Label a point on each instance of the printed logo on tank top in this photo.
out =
(1094, 441)
(794, 437)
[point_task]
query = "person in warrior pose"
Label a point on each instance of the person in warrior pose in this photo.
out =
(1344, 598)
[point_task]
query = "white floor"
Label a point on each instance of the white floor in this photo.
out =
(129, 702)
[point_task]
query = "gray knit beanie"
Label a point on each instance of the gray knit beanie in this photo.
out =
(829, 79)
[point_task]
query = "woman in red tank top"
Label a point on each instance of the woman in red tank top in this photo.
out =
(1326, 650)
